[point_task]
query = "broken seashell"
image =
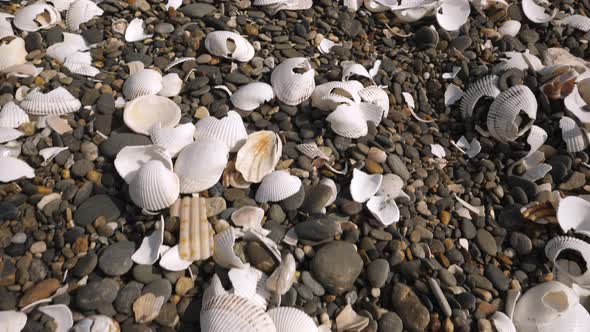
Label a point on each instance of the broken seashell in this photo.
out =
(520, 61)
(171, 85)
(350, 69)
(505, 121)
(14, 169)
(348, 121)
(326, 45)
(502, 323)
(438, 150)
(147, 307)
(565, 244)
(324, 95)
(154, 187)
(452, 14)
(384, 208)
(537, 137)
(573, 136)
(97, 323)
(61, 314)
(131, 158)
(178, 61)
(229, 312)
(81, 63)
(363, 186)
(452, 94)
(576, 104)
(244, 281)
(248, 217)
(56, 102)
(577, 21)
(196, 235)
(312, 151)
(200, 164)
(5, 25)
(214, 289)
(252, 95)
(172, 139)
(229, 45)
(12, 321)
(414, 14)
(281, 280)
(13, 53)
(510, 28)
(232, 178)
(560, 81)
(135, 31)
(144, 112)
(535, 12)
(172, 261)
(470, 149)
(349, 320)
(49, 153)
(36, 16)
(376, 95)
(12, 116)
(277, 186)
(559, 56)
(259, 156)
(81, 11)
(392, 187)
(142, 83)
(149, 251)
(290, 86)
(72, 43)
(411, 105)
(10, 149)
(224, 254)
(290, 319)
(119, 26)
(484, 87)
(229, 130)
(574, 213)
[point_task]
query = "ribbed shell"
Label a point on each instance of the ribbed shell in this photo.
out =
(5, 25)
(172, 139)
(363, 186)
(147, 307)
(14, 169)
(9, 134)
(25, 18)
(502, 323)
(375, 95)
(230, 312)
(277, 186)
(171, 85)
(520, 61)
(290, 319)
(510, 28)
(560, 243)
(579, 22)
(229, 130)
(248, 217)
(251, 96)
(267, 2)
(144, 112)
(196, 236)
(154, 187)
(142, 83)
(200, 164)
(349, 89)
(485, 87)
(214, 289)
(216, 43)
(12, 116)
(56, 102)
(349, 123)
(131, 158)
(290, 87)
(574, 137)
(13, 53)
(504, 119)
(81, 11)
(537, 137)
(312, 151)
(224, 254)
(259, 156)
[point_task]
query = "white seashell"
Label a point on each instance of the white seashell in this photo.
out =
(574, 213)
(200, 164)
(142, 83)
(49, 153)
(119, 26)
(505, 122)
(267, 2)
(292, 5)
(72, 43)
(172, 139)
(171, 85)
(251, 96)
(536, 13)
(147, 307)
(12, 321)
(349, 320)
(196, 234)
(577, 21)
(326, 45)
(12, 116)
(56, 102)
(452, 94)
(374, 6)
(363, 185)
(502, 323)
(5, 25)
(414, 14)
(350, 68)
(557, 245)
(62, 5)
(135, 31)
(178, 61)
(371, 112)
(131, 158)
(537, 137)
(10, 149)
(224, 254)
(36, 17)
(244, 281)
(149, 251)
(248, 217)
(312, 151)
(576, 104)
(485, 87)
(376, 95)
(259, 156)
(438, 150)
(214, 289)
(154, 186)
(384, 208)
(452, 14)
(537, 172)
(323, 95)
(229, 130)
(80, 63)
(290, 87)
(172, 261)
(348, 121)
(230, 312)
(281, 280)
(520, 61)
(144, 112)
(232, 178)
(290, 319)
(14, 169)
(405, 4)
(470, 149)
(451, 75)
(173, 4)
(81, 11)
(61, 314)
(13, 53)
(573, 136)
(9, 134)
(229, 45)
(330, 183)
(510, 28)
(277, 186)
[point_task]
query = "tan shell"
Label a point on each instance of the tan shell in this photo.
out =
(232, 178)
(290, 87)
(196, 235)
(147, 307)
(259, 156)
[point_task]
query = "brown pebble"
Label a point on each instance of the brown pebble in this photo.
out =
(251, 29)
(486, 308)
(183, 285)
(373, 167)
(445, 217)
(42, 290)
(80, 245)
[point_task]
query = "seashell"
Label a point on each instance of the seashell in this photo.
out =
(229, 45)
(561, 81)
(196, 235)
(172, 261)
(9, 134)
(326, 45)
(411, 105)
(452, 14)
(142, 83)
(292, 5)
(172, 139)
(349, 320)
(312, 151)
(375, 95)
(5, 25)
(574, 213)
(12, 116)
(470, 149)
(135, 31)
(577, 21)
(62, 5)
(61, 314)
(348, 122)
(570, 268)
(267, 2)
(537, 137)
(200, 164)
(230, 312)
(535, 12)
(290, 319)
(277, 186)
(224, 254)
(147, 307)
(149, 251)
(484, 87)
(520, 61)
(453, 94)
(363, 186)
(13, 53)
(36, 17)
(405, 4)
(49, 153)
(505, 121)
(214, 289)
(81, 11)
(384, 208)
(72, 43)
(97, 323)
(573, 136)
(350, 68)
(172, 84)
(245, 284)
(576, 104)
(537, 172)
(391, 186)
(438, 150)
(510, 28)
(154, 187)
(229, 130)
(502, 323)
(259, 156)
(350, 90)
(282, 278)
(10, 149)
(451, 75)
(12, 321)
(248, 217)
(14, 169)
(119, 26)
(251, 96)
(131, 158)
(291, 87)
(178, 61)
(375, 7)
(232, 178)
(144, 112)
(414, 14)
(173, 4)
(559, 56)
(56, 102)
(269, 244)
(330, 183)
(80, 63)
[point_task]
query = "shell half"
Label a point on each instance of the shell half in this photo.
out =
(13, 53)
(574, 137)
(229, 312)
(277, 186)
(142, 83)
(200, 164)
(37, 16)
(252, 95)
(571, 269)
(149, 250)
(135, 31)
(81, 11)
(484, 87)
(229, 45)
(144, 112)
(291, 87)
(259, 156)
(537, 13)
(290, 319)
(56, 102)
(131, 158)
(505, 121)
(229, 130)
(363, 186)
(14, 169)
(172, 139)
(154, 187)
(452, 14)
(12, 116)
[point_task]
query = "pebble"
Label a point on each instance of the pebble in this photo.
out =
(521, 243)
(319, 228)
(159, 287)
(85, 265)
(96, 294)
(486, 242)
(390, 322)
(576, 180)
(126, 296)
(40, 291)
(413, 313)
(377, 272)
(197, 10)
(398, 167)
(118, 141)
(316, 198)
(336, 266)
(7, 211)
(95, 206)
(115, 260)
(497, 277)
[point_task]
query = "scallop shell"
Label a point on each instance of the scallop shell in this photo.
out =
(135, 31)
(13, 53)
(61, 314)
(290, 319)
(259, 156)
(172, 261)
(320, 98)
(149, 251)
(277, 186)
(142, 83)
(452, 14)
(81, 11)
(376, 95)
(12, 116)
(229, 130)
(12, 321)
(154, 187)
(574, 213)
(147, 307)
(131, 158)
(502, 323)
(485, 87)
(510, 28)
(251, 96)
(520, 61)
(172, 139)
(229, 45)
(230, 312)
(363, 186)
(573, 136)
(56, 102)
(248, 217)
(196, 235)
(348, 122)
(281, 280)
(384, 209)
(72, 43)
(559, 244)
(536, 13)
(224, 254)
(504, 120)
(36, 17)
(172, 84)
(80, 63)
(5, 25)
(14, 169)
(577, 21)
(200, 164)
(144, 112)
(290, 87)
(9, 134)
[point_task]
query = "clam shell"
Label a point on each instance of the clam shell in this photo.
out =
(290, 319)
(577, 21)
(196, 235)
(214, 289)
(470, 149)
(325, 46)
(452, 14)
(574, 213)
(290, 87)
(147, 307)
(520, 61)
(56, 102)
(363, 186)
(510, 28)
(375, 95)
(172, 139)
(537, 137)
(135, 31)
(142, 83)
(49, 153)
(251, 96)
(414, 14)
(10, 149)
(504, 120)
(224, 254)
(232, 178)
(229, 45)
(485, 87)
(292, 5)
(573, 136)
(281, 280)
(172, 261)
(438, 150)
(349, 90)
(9, 134)
(536, 13)
(248, 217)
(14, 169)
(154, 187)
(200, 164)
(277, 186)
(229, 130)
(559, 244)
(131, 158)
(12, 116)
(230, 312)
(171, 85)
(36, 17)
(61, 314)
(149, 251)
(5, 25)
(244, 281)
(80, 63)
(348, 122)
(259, 156)
(81, 11)
(62, 5)
(384, 209)
(13, 53)
(350, 69)
(502, 323)
(144, 112)
(330, 183)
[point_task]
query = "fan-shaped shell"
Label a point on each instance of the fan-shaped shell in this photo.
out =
(485, 87)
(505, 122)
(416, 13)
(574, 213)
(452, 14)
(172, 261)
(12, 116)
(81, 11)
(290, 319)
(229, 130)
(281, 280)
(13, 53)
(510, 28)
(312, 151)
(248, 217)
(147, 307)
(224, 254)
(12, 321)
(14, 169)
(72, 43)
(348, 122)
(149, 251)
(229, 45)
(575, 103)
(144, 112)
(277, 186)
(9, 134)
(364, 185)
(535, 12)
(171, 85)
(56, 102)
(520, 61)
(320, 98)
(154, 187)
(142, 83)
(558, 244)
(244, 281)
(259, 156)
(61, 314)
(384, 209)
(131, 158)
(230, 312)
(5, 25)
(200, 164)
(81, 63)
(36, 17)
(577, 21)
(135, 32)
(573, 136)
(172, 139)
(290, 87)
(376, 95)
(251, 96)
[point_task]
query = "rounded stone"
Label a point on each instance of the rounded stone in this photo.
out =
(116, 258)
(336, 266)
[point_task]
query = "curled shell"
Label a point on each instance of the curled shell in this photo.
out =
(196, 235)
(56, 102)
(172, 261)
(281, 280)
(229, 130)
(147, 307)
(9, 134)
(144, 112)
(149, 250)
(485, 87)
(142, 83)
(12, 53)
(452, 14)
(259, 156)
(229, 312)
(36, 16)
(251, 96)
(200, 164)
(564, 244)
(363, 186)
(229, 45)
(502, 323)
(131, 158)
(12, 116)
(520, 61)
(154, 187)
(376, 95)
(172, 139)
(292, 87)
(277, 186)
(505, 121)
(81, 11)
(573, 136)
(535, 12)
(14, 169)
(290, 319)
(384, 209)
(574, 213)
(171, 85)
(135, 31)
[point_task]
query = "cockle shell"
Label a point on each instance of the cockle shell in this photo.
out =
(229, 130)
(229, 312)
(348, 122)
(577, 21)
(559, 244)
(142, 83)
(259, 156)
(196, 235)
(135, 31)
(56, 102)
(363, 186)
(312, 151)
(81, 63)
(144, 112)
(573, 136)
(244, 281)
(536, 13)
(5, 25)
(248, 217)
(452, 14)
(81, 11)
(154, 187)
(131, 158)
(98, 323)
(214, 289)
(36, 16)
(12, 321)
(171, 85)
(484, 87)
(10, 149)
(277, 186)
(13, 53)
(172, 139)
(147, 307)
(291, 87)
(229, 45)
(232, 178)
(281, 280)
(520, 61)
(224, 254)
(61, 314)
(149, 251)
(505, 121)
(14, 169)
(200, 164)
(322, 96)
(290, 319)
(12, 116)
(376, 95)
(72, 43)
(576, 104)
(351, 68)
(251, 96)
(510, 28)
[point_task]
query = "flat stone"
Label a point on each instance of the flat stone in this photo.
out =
(116, 142)
(160, 287)
(390, 322)
(398, 167)
(115, 260)
(318, 228)
(577, 180)
(486, 242)
(197, 10)
(42, 290)
(521, 243)
(126, 296)
(85, 265)
(95, 206)
(259, 257)
(316, 198)
(336, 266)
(96, 294)
(497, 277)
(377, 272)
(413, 313)
(8, 211)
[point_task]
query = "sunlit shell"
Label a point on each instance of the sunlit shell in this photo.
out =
(290, 319)
(292, 87)
(14, 169)
(171, 85)
(142, 83)
(559, 81)
(452, 14)
(224, 254)
(248, 217)
(502, 323)
(573, 136)
(172, 139)
(376, 95)
(560, 56)
(576, 104)
(172, 261)
(391, 186)
(72, 43)
(351, 69)
(250, 283)
(230, 312)
(97, 323)
(196, 235)
(135, 31)
(277, 186)
(9, 134)
(510, 28)
(363, 186)
(149, 251)
(251, 96)
(375, 7)
(12, 321)
(348, 121)
(81, 11)
(574, 213)
(13, 53)
(56, 102)
(520, 61)
(325, 46)
(10, 149)
(214, 289)
(144, 112)
(12, 116)
(147, 307)
(36, 17)
(453, 94)
(505, 121)
(384, 209)
(535, 12)
(131, 158)
(229, 45)
(405, 4)
(259, 156)
(81, 63)
(557, 246)
(154, 187)
(49, 153)
(292, 5)
(5, 25)
(321, 96)
(485, 87)
(414, 14)
(330, 183)
(281, 280)
(229, 130)
(200, 164)
(349, 320)
(577, 21)
(61, 315)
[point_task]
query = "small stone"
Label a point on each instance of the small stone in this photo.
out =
(390, 322)
(316, 198)
(167, 315)
(42, 290)
(294, 201)
(85, 265)
(126, 296)
(159, 287)
(576, 181)
(521, 243)
(445, 217)
(486, 242)
(413, 313)
(183, 285)
(497, 277)
(95, 206)
(336, 266)
(398, 167)
(96, 294)
(38, 247)
(89, 151)
(259, 257)
(318, 228)
(8, 211)
(116, 258)
(117, 141)
(82, 167)
(215, 206)
(377, 272)
(373, 167)
(197, 10)
(201, 112)
(377, 155)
